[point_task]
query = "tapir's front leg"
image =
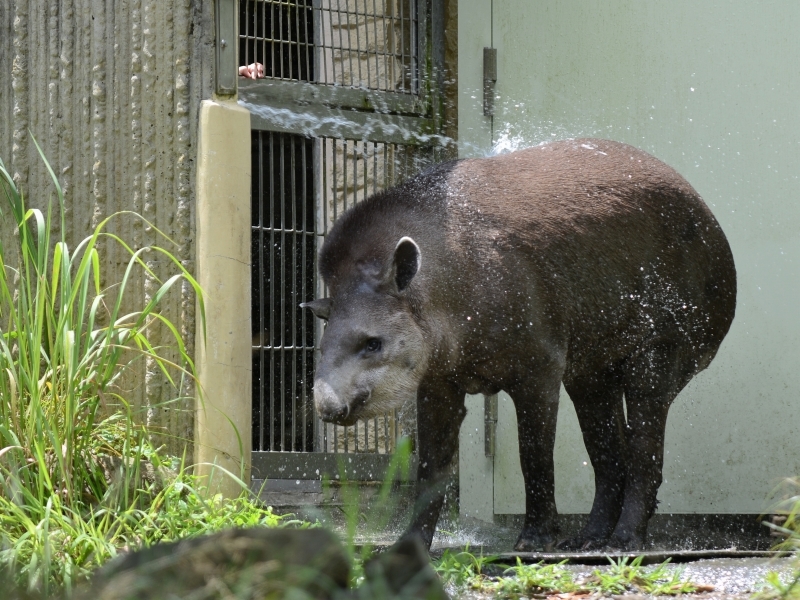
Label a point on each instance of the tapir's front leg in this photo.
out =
(440, 411)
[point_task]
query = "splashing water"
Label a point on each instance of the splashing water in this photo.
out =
(506, 142)
(525, 129)
(339, 125)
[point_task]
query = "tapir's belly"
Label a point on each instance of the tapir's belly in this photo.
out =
(588, 328)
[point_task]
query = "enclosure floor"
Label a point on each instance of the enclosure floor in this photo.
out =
(731, 578)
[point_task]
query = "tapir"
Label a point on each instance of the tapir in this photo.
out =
(585, 262)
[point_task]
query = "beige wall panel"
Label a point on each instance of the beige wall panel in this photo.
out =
(224, 362)
(474, 34)
(111, 90)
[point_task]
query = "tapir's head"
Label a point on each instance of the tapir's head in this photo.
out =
(373, 351)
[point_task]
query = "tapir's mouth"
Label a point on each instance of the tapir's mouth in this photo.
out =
(345, 418)
(343, 421)
(331, 410)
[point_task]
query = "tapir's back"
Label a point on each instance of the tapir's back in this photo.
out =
(619, 238)
(560, 190)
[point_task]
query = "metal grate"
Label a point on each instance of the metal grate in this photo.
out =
(350, 171)
(295, 201)
(305, 176)
(279, 35)
(283, 242)
(370, 44)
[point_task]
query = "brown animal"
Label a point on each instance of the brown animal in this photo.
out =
(583, 262)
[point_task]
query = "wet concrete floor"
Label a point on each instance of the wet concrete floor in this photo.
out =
(734, 572)
(735, 566)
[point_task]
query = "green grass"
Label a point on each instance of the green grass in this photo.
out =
(64, 546)
(787, 507)
(624, 576)
(465, 571)
(776, 589)
(523, 580)
(74, 454)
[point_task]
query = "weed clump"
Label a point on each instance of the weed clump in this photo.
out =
(80, 480)
(787, 527)
(464, 570)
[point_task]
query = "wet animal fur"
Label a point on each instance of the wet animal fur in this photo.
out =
(586, 262)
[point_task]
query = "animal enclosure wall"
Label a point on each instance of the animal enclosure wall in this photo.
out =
(111, 91)
(710, 88)
(348, 107)
(300, 186)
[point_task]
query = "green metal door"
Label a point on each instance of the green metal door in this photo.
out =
(711, 89)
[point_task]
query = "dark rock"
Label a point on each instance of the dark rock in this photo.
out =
(8, 586)
(237, 563)
(264, 563)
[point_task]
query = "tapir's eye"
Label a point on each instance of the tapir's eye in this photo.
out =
(373, 345)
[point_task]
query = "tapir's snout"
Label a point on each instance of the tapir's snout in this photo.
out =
(330, 407)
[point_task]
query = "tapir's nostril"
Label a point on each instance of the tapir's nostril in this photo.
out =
(334, 413)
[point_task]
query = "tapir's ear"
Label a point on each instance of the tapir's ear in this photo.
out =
(320, 307)
(407, 261)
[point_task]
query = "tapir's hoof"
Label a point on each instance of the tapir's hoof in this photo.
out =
(625, 544)
(412, 536)
(535, 543)
(403, 571)
(581, 544)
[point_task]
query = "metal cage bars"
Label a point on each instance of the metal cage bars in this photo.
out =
(303, 179)
(368, 44)
(300, 186)
(283, 238)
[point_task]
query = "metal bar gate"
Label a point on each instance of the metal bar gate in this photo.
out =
(346, 108)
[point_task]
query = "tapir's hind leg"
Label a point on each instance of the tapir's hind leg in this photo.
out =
(652, 380)
(598, 404)
(536, 404)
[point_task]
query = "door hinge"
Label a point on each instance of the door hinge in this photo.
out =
(489, 424)
(489, 80)
(227, 43)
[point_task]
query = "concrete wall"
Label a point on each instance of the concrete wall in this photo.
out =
(711, 88)
(112, 91)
